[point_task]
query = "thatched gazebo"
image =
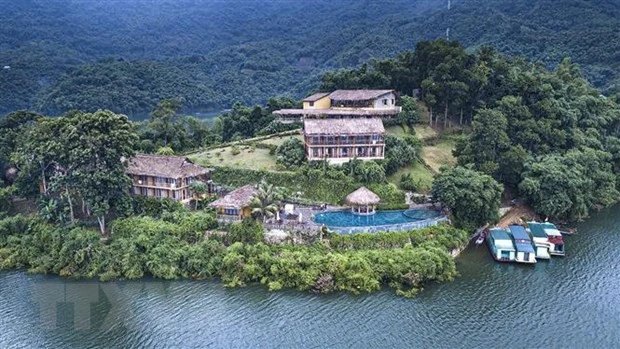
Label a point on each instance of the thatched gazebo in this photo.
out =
(363, 201)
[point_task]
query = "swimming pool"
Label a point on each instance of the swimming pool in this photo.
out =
(381, 218)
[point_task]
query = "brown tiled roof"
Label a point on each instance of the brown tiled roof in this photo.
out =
(339, 112)
(343, 126)
(357, 95)
(363, 196)
(238, 198)
(315, 97)
(164, 166)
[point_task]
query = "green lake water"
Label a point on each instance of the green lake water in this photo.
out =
(571, 302)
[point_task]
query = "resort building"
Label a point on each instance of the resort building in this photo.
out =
(341, 140)
(344, 104)
(166, 177)
(236, 204)
(344, 124)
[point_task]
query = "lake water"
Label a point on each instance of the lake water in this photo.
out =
(571, 302)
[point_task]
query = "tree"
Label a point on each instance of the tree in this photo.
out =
(198, 188)
(487, 141)
(163, 120)
(165, 151)
(568, 186)
(291, 153)
(409, 113)
(265, 202)
(472, 197)
(370, 172)
(97, 146)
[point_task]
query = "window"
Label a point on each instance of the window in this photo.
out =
(158, 193)
(311, 104)
(144, 192)
(231, 211)
(345, 151)
(315, 152)
(385, 101)
(392, 101)
(174, 194)
(316, 140)
(376, 137)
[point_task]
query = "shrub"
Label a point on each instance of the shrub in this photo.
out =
(234, 150)
(291, 153)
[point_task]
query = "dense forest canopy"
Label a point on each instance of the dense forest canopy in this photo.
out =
(126, 56)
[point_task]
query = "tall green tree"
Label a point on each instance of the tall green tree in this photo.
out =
(472, 197)
(163, 120)
(98, 146)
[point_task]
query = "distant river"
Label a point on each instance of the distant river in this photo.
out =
(566, 302)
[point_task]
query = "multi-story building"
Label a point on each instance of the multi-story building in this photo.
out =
(166, 176)
(344, 104)
(340, 140)
(344, 124)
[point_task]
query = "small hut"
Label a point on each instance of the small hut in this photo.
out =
(236, 204)
(363, 201)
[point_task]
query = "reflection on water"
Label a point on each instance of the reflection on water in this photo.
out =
(565, 302)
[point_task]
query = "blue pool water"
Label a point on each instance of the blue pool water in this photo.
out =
(348, 219)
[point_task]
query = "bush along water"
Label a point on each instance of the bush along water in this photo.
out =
(176, 246)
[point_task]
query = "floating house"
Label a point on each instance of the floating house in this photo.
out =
(541, 242)
(235, 205)
(501, 245)
(166, 177)
(554, 237)
(523, 245)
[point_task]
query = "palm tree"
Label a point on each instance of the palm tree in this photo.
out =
(199, 189)
(265, 201)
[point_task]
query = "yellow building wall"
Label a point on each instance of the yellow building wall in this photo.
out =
(323, 103)
(246, 212)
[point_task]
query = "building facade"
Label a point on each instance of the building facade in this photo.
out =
(344, 124)
(166, 177)
(344, 104)
(340, 140)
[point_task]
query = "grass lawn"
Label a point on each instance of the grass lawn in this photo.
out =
(280, 140)
(259, 159)
(424, 132)
(418, 171)
(439, 154)
(398, 131)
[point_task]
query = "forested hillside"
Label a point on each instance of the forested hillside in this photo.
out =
(127, 55)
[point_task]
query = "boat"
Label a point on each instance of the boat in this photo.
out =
(540, 239)
(501, 245)
(554, 236)
(523, 245)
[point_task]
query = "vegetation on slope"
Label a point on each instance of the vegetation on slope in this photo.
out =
(125, 56)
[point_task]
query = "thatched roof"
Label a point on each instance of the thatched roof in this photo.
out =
(357, 95)
(164, 166)
(363, 196)
(315, 97)
(343, 126)
(340, 112)
(238, 198)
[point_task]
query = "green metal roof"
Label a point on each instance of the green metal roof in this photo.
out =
(500, 234)
(537, 229)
